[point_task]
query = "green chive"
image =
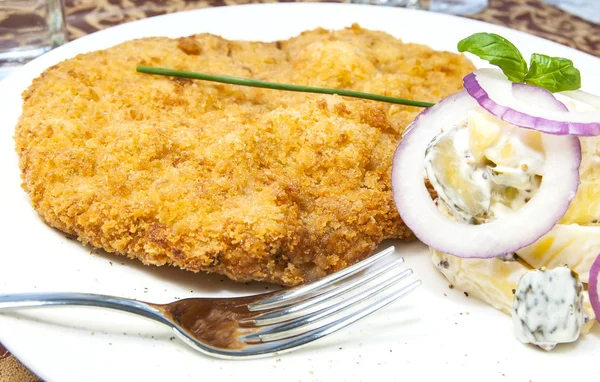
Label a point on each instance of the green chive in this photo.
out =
(278, 86)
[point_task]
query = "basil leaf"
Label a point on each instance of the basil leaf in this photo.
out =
(555, 74)
(498, 51)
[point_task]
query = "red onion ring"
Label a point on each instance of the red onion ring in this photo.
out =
(499, 237)
(493, 91)
(593, 287)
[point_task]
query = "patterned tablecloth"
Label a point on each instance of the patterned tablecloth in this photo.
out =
(532, 16)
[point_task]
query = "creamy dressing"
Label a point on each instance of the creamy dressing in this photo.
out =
(548, 307)
(590, 153)
(503, 182)
(521, 156)
(477, 181)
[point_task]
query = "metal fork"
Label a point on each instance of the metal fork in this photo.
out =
(260, 325)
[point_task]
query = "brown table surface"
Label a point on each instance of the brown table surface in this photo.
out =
(532, 16)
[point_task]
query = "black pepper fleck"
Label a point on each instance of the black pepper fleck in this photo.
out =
(466, 294)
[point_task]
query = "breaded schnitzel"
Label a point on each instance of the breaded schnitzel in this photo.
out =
(250, 183)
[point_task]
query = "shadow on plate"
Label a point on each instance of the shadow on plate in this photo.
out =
(199, 284)
(345, 338)
(161, 333)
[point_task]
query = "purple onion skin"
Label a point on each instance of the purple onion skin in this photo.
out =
(527, 121)
(428, 237)
(593, 287)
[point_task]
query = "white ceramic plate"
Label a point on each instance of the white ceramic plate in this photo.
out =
(426, 335)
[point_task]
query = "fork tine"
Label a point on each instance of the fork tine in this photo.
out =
(332, 327)
(281, 331)
(299, 293)
(293, 311)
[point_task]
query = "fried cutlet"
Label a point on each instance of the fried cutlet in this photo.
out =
(254, 184)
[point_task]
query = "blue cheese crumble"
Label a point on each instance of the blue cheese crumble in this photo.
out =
(548, 307)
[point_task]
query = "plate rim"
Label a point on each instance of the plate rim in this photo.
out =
(26, 72)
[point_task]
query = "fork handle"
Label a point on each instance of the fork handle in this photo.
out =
(37, 300)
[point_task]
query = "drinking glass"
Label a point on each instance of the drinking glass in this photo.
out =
(29, 28)
(392, 3)
(586, 9)
(458, 7)
(455, 7)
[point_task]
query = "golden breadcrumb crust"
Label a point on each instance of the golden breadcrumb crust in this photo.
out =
(253, 184)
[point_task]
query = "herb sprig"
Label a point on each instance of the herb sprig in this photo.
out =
(555, 74)
(277, 86)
